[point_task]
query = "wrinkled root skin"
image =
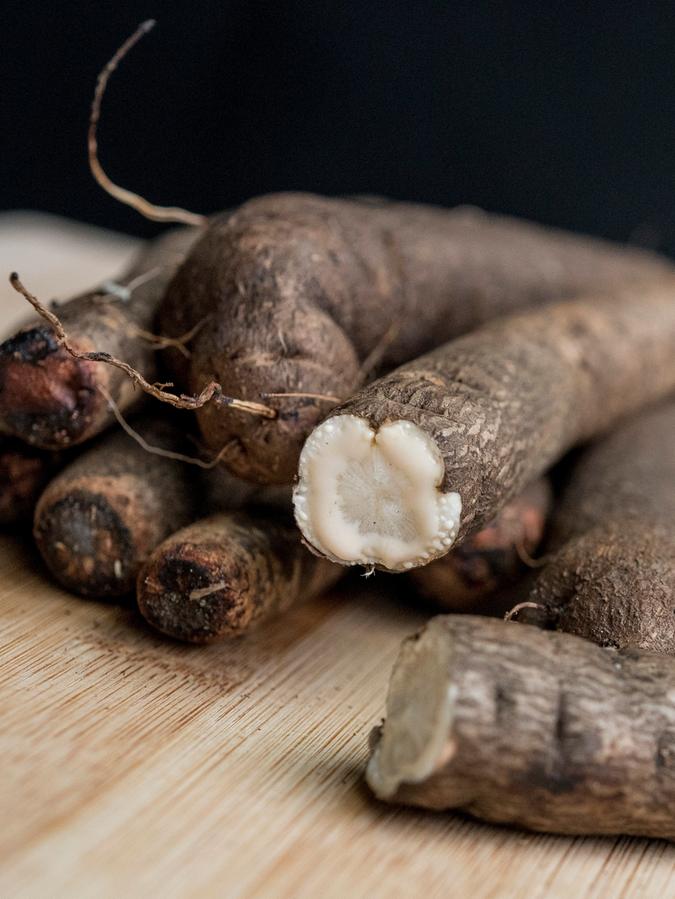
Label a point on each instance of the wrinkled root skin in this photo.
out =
(536, 729)
(52, 400)
(303, 288)
(224, 575)
(101, 517)
(319, 359)
(611, 574)
(615, 586)
(24, 471)
(489, 560)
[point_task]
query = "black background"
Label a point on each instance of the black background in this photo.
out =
(561, 112)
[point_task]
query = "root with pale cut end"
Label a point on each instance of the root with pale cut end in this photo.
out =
(485, 414)
(368, 497)
(311, 296)
(520, 726)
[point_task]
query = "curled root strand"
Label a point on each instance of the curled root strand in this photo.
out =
(158, 450)
(528, 560)
(212, 391)
(129, 198)
(160, 342)
(375, 357)
(522, 605)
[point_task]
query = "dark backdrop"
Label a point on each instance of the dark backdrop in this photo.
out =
(562, 112)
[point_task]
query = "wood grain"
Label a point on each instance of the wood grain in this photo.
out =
(136, 766)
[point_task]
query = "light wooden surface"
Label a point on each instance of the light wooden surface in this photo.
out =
(56, 259)
(132, 766)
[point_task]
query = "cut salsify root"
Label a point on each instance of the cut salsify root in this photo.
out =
(212, 391)
(430, 453)
(537, 729)
(375, 497)
(310, 296)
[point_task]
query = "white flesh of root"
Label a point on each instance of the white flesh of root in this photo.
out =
(373, 498)
(416, 737)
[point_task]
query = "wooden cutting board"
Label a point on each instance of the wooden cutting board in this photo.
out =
(134, 766)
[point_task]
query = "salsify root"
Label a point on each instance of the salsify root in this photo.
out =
(538, 729)
(427, 455)
(211, 393)
(610, 570)
(224, 575)
(310, 295)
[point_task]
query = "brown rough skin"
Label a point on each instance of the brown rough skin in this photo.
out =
(24, 471)
(507, 401)
(303, 288)
(537, 729)
(224, 492)
(224, 575)
(51, 400)
(611, 573)
(491, 559)
(102, 516)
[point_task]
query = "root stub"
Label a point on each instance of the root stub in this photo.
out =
(222, 576)
(99, 519)
(48, 397)
(86, 544)
(538, 729)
